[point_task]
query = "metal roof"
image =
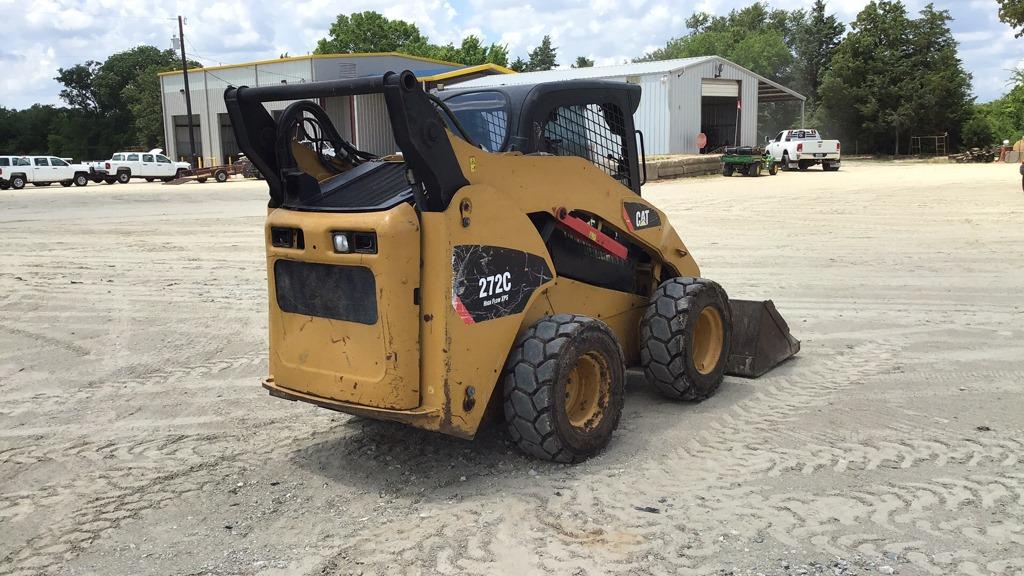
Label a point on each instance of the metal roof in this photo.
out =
(768, 90)
(630, 69)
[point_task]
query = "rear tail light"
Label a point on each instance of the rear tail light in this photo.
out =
(800, 147)
(106, 165)
(837, 146)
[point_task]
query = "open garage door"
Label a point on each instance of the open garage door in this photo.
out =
(719, 113)
(720, 88)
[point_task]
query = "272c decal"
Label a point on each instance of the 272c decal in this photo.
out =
(492, 282)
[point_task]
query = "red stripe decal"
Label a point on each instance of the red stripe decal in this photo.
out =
(628, 219)
(460, 309)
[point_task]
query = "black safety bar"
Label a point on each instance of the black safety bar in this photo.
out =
(418, 130)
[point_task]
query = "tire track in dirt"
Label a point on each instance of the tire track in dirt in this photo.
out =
(592, 523)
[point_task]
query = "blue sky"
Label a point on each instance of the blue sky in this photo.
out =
(59, 33)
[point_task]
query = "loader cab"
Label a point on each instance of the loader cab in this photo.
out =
(590, 119)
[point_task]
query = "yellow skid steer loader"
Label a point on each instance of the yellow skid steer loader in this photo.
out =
(503, 251)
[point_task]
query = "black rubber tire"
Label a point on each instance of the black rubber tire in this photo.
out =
(81, 180)
(829, 167)
(804, 165)
(754, 169)
(785, 160)
(40, 184)
(221, 176)
(124, 177)
(727, 170)
(66, 183)
(5, 185)
(17, 182)
(201, 180)
(179, 173)
(150, 179)
(666, 337)
(534, 387)
(773, 169)
(110, 180)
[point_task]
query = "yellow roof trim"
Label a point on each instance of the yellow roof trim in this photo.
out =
(310, 57)
(464, 71)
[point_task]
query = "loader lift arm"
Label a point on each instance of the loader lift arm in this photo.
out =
(418, 131)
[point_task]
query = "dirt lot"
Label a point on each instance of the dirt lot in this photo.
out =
(135, 438)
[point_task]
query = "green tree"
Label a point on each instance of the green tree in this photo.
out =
(755, 37)
(471, 52)
(114, 104)
(893, 76)
(1012, 13)
(519, 65)
(371, 32)
(543, 57)
(979, 132)
(816, 36)
(583, 62)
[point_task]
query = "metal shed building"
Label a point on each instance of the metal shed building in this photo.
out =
(681, 99)
(361, 120)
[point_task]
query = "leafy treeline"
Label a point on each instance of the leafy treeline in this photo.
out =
(113, 104)
(890, 76)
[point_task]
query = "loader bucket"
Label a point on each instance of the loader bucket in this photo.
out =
(760, 338)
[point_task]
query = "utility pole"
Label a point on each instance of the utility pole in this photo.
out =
(188, 95)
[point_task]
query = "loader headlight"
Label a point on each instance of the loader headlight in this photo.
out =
(358, 242)
(341, 244)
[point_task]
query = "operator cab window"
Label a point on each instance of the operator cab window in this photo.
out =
(162, 159)
(592, 132)
(147, 157)
(132, 158)
(57, 162)
(5, 161)
(22, 162)
(484, 116)
(41, 162)
(118, 157)
(779, 137)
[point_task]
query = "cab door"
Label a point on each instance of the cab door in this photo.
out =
(148, 166)
(40, 171)
(164, 166)
(60, 169)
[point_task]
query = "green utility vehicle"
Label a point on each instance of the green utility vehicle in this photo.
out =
(748, 160)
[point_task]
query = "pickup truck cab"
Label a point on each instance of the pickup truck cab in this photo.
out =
(42, 171)
(152, 165)
(804, 148)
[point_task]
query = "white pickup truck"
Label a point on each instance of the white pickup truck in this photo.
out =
(152, 165)
(42, 171)
(804, 148)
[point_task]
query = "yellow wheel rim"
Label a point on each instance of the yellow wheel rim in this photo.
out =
(586, 391)
(708, 338)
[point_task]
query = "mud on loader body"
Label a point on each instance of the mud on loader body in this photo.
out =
(504, 251)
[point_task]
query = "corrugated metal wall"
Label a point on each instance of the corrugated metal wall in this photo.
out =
(373, 128)
(653, 117)
(685, 103)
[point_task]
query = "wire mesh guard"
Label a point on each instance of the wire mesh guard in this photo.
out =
(592, 132)
(484, 117)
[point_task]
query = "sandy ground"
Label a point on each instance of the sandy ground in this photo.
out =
(135, 438)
